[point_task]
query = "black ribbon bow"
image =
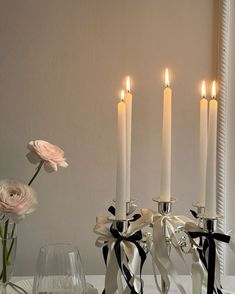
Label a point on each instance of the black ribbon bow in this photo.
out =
(134, 238)
(210, 245)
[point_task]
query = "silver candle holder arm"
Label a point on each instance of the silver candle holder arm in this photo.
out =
(165, 209)
(209, 224)
(200, 210)
(178, 238)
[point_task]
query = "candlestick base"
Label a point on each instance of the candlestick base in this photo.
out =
(209, 223)
(120, 225)
(207, 216)
(130, 208)
(165, 207)
(200, 208)
(200, 211)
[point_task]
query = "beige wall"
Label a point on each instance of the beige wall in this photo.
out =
(62, 64)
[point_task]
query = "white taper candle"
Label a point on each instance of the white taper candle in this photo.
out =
(165, 192)
(121, 162)
(128, 101)
(210, 208)
(203, 144)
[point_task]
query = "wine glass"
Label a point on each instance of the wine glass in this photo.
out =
(59, 270)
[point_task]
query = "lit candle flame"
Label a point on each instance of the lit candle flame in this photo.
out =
(167, 80)
(213, 90)
(128, 84)
(203, 89)
(122, 95)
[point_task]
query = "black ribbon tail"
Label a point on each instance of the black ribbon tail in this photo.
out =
(112, 210)
(134, 238)
(210, 246)
(211, 265)
(125, 271)
(105, 250)
(194, 213)
(142, 258)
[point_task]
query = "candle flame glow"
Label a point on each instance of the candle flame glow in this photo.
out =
(122, 95)
(203, 89)
(128, 84)
(213, 90)
(167, 80)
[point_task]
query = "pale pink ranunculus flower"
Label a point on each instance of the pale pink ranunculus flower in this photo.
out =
(52, 155)
(16, 199)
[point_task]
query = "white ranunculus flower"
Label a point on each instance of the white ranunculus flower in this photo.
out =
(16, 199)
(52, 155)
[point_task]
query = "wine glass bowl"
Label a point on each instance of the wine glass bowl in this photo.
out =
(59, 270)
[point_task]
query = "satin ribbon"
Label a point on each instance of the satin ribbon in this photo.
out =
(123, 253)
(231, 245)
(164, 227)
(208, 255)
(134, 238)
(217, 283)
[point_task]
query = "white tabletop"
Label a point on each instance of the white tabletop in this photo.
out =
(149, 284)
(97, 281)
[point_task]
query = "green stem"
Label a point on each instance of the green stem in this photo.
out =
(13, 230)
(8, 253)
(4, 254)
(37, 171)
(1, 236)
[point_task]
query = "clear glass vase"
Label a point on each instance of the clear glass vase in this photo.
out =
(8, 243)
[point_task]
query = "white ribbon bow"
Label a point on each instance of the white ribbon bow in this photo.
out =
(164, 231)
(199, 274)
(129, 253)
